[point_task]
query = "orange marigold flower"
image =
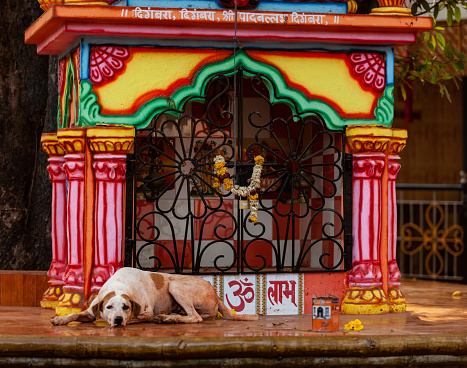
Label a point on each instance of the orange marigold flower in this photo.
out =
(259, 160)
(221, 171)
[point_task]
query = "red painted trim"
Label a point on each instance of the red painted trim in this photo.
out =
(60, 26)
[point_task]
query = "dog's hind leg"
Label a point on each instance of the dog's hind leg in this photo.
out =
(185, 301)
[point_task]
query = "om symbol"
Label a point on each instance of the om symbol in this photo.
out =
(243, 292)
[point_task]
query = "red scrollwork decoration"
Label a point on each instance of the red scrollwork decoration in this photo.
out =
(106, 62)
(370, 66)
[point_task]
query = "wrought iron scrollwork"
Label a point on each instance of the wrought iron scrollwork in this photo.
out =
(302, 175)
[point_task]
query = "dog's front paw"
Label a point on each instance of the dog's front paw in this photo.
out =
(58, 321)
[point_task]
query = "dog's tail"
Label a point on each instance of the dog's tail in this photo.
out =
(228, 314)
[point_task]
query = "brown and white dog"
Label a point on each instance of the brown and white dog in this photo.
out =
(133, 295)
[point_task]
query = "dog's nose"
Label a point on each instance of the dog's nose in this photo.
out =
(118, 320)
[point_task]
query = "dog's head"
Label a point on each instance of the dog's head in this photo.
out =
(116, 310)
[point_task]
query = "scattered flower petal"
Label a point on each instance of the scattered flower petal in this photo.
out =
(354, 325)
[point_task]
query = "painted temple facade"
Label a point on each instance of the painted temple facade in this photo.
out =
(154, 94)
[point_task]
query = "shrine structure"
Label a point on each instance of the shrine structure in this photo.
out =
(247, 142)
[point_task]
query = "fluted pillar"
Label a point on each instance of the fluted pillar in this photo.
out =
(73, 142)
(365, 294)
(59, 215)
(396, 298)
(109, 146)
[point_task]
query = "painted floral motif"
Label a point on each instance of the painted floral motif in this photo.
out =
(372, 67)
(106, 62)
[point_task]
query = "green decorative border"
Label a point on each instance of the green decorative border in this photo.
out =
(62, 121)
(90, 108)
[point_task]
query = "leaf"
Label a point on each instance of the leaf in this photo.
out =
(447, 50)
(448, 95)
(457, 14)
(404, 94)
(449, 16)
(436, 11)
(414, 8)
(426, 37)
(441, 40)
(432, 43)
(425, 5)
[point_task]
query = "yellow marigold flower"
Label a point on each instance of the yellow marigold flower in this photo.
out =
(253, 218)
(219, 165)
(221, 171)
(228, 184)
(216, 183)
(259, 160)
(354, 325)
(253, 197)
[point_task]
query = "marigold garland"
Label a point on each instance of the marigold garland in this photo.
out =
(251, 191)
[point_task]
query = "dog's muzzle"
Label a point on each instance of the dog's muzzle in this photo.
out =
(118, 320)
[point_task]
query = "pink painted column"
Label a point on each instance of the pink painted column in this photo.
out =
(110, 146)
(109, 222)
(366, 219)
(365, 294)
(73, 142)
(397, 302)
(59, 215)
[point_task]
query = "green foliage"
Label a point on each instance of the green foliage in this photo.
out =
(440, 61)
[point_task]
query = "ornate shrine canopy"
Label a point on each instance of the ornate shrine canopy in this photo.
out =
(123, 64)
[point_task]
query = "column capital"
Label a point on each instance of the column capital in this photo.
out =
(110, 167)
(368, 139)
(393, 167)
(398, 141)
(51, 145)
(111, 139)
(368, 166)
(72, 140)
(373, 138)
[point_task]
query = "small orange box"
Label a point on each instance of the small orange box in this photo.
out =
(326, 312)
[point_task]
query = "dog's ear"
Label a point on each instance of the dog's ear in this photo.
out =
(96, 309)
(136, 308)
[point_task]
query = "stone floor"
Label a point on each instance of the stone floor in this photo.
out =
(431, 309)
(434, 316)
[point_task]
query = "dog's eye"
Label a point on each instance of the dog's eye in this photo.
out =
(126, 307)
(109, 307)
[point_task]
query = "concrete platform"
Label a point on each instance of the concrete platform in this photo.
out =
(432, 333)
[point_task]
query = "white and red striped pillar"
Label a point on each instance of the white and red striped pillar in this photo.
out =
(109, 224)
(110, 146)
(73, 142)
(59, 215)
(365, 294)
(397, 302)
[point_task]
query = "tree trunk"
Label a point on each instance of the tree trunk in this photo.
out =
(28, 99)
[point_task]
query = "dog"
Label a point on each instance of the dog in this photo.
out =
(132, 295)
